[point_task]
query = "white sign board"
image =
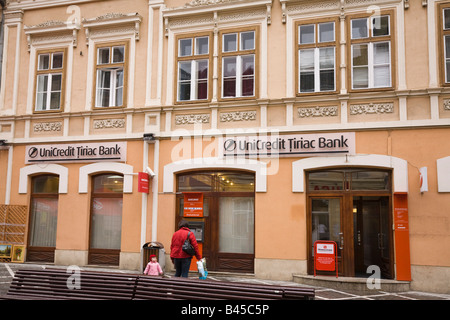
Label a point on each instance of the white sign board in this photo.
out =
(78, 152)
(297, 145)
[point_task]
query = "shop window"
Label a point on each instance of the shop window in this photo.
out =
(238, 59)
(371, 52)
(43, 218)
(237, 225)
(193, 68)
(228, 216)
(316, 49)
(106, 218)
(50, 80)
(110, 76)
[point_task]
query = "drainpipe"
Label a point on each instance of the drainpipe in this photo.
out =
(155, 191)
(149, 138)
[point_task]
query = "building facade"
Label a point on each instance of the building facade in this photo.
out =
(268, 124)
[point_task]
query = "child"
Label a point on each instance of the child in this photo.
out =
(153, 268)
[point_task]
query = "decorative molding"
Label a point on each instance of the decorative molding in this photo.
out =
(191, 118)
(318, 112)
(109, 123)
(52, 31)
(47, 126)
(198, 3)
(372, 108)
(238, 116)
(447, 104)
(113, 23)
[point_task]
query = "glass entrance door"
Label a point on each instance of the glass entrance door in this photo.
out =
(352, 207)
(372, 240)
(326, 224)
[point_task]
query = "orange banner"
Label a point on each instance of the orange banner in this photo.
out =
(193, 204)
(401, 224)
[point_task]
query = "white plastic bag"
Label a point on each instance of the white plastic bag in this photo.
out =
(201, 267)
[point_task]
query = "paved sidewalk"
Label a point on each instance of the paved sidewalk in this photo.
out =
(322, 293)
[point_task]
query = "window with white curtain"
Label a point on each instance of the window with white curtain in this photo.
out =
(193, 68)
(236, 224)
(371, 52)
(44, 211)
(317, 57)
(106, 214)
(49, 80)
(445, 28)
(238, 64)
(110, 74)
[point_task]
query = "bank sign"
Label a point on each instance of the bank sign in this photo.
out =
(81, 152)
(298, 145)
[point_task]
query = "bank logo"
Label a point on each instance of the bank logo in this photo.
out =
(229, 145)
(33, 152)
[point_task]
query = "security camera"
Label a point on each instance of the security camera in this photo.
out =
(150, 172)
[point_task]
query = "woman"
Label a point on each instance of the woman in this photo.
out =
(181, 259)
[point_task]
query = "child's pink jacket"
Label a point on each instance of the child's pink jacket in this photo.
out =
(153, 269)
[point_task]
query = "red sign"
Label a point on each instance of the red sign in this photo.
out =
(401, 225)
(143, 182)
(325, 256)
(193, 204)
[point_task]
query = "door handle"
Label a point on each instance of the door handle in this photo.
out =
(341, 240)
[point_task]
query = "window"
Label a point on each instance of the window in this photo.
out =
(110, 76)
(193, 68)
(445, 29)
(238, 56)
(371, 52)
(317, 57)
(106, 219)
(49, 81)
(43, 218)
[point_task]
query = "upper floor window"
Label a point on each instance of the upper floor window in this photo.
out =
(110, 76)
(193, 68)
(49, 80)
(371, 50)
(238, 57)
(316, 47)
(445, 31)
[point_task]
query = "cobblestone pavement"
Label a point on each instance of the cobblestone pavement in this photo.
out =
(322, 293)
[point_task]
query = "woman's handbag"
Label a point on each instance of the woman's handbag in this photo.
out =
(187, 246)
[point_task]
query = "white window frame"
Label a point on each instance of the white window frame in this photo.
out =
(49, 72)
(446, 54)
(317, 70)
(371, 65)
(49, 91)
(193, 81)
(316, 45)
(112, 87)
(239, 77)
(194, 57)
(113, 76)
(240, 54)
(371, 41)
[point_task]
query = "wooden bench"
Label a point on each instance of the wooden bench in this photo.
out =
(58, 284)
(195, 289)
(49, 284)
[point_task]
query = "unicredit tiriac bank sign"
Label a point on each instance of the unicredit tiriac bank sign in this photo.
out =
(297, 145)
(78, 152)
